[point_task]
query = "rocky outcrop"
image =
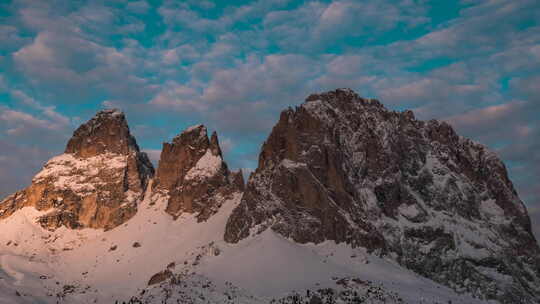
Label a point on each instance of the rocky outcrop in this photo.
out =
(237, 178)
(96, 183)
(193, 175)
(344, 168)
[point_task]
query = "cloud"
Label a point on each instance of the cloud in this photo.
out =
(319, 26)
(73, 52)
(226, 144)
(19, 120)
(178, 97)
(243, 99)
(138, 7)
(180, 54)
(61, 63)
(18, 164)
(481, 122)
(11, 38)
(56, 118)
(24, 128)
(509, 128)
(3, 84)
(59, 56)
(181, 16)
(528, 87)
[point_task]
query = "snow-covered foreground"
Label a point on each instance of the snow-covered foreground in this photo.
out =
(95, 266)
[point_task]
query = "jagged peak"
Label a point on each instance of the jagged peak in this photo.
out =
(343, 99)
(105, 115)
(237, 178)
(189, 151)
(340, 92)
(214, 144)
(107, 131)
(195, 132)
(194, 127)
(113, 112)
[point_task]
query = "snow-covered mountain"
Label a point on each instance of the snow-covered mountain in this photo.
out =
(351, 203)
(344, 168)
(96, 183)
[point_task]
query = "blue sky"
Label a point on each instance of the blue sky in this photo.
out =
(234, 65)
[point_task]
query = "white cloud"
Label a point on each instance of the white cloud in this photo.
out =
(17, 123)
(175, 55)
(15, 117)
(48, 111)
(18, 163)
(178, 97)
(226, 144)
(138, 7)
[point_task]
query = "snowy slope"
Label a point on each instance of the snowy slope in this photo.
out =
(90, 265)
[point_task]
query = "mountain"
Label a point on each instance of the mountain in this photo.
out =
(344, 168)
(193, 175)
(350, 203)
(96, 183)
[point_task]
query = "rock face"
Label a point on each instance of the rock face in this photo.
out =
(343, 168)
(96, 183)
(192, 173)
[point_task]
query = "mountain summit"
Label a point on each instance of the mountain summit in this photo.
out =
(96, 183)
(343, 168)
(107, 131)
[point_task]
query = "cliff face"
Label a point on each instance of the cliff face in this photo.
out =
(343, 168)
(96, 183)
(193, 175)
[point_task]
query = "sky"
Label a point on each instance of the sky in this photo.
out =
(234, 65)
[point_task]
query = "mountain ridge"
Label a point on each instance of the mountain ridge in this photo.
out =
(338, 175)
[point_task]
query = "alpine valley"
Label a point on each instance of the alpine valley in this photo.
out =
(350, 203)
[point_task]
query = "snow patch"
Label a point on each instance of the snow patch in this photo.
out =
(81, 175)
(207, 166)
(287, 163)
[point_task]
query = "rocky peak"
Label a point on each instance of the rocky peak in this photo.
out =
(179, 156)
(342, 98)
(192, 174)
(343, 168)
(342, 95)
(96, 183)
(107, 131)
(214, 144)
(237, 179)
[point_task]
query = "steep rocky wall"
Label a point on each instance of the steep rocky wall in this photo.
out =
(343, 168)
(193, 175)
